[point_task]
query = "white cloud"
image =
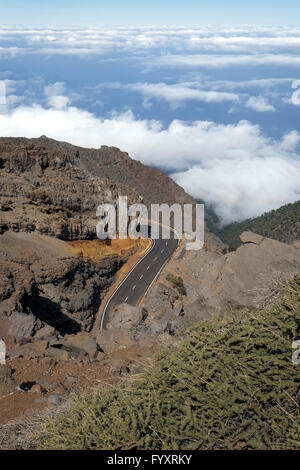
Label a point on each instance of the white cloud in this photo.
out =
(260, 104)
(226, 60)
(290, 141)
(244, 188)
(264, 83)
(244, 43)
(295, 99)
(90, 41)
(10, 52)
(175, 94)
(55, 95)
(235, 167)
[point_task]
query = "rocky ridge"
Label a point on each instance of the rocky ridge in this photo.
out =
(51, 192)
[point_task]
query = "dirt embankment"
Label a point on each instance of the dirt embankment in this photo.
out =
(98, 249)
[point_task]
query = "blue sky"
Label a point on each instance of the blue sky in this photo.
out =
(145, 12)
(216, 107)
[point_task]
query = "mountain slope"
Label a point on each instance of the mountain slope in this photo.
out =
(282, 224)
(54, 187)
(153, 185)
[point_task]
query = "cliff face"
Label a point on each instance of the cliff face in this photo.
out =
(40, 278)
(54, 188)
(50, 191)
(152, 185)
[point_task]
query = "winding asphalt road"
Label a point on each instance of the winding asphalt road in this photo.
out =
(136, 283)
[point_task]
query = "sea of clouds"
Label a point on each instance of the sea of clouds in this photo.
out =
(238, 167)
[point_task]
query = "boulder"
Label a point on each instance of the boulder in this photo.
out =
(22, 325)
(54, 400)
(45, 332)
(179, 311)
(126, 327)
(48, 384)
(81, 342)
(59, 355)
(250, 237)
(112, 340)
(126, 316)
(30, 350)
(119, 367)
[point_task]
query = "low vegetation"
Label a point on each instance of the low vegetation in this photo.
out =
(177, 283)
(230, 385)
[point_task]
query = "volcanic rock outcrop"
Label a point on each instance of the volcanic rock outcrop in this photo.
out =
(50, 191)
(44, 286)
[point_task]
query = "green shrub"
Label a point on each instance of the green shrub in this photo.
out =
(232, 248)
(177, 283)
(230, 385)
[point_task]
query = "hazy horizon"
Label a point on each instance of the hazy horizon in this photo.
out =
(97, 13)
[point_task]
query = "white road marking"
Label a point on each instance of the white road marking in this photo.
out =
(148, 268)
(166, 243)
(114, 293)
(134, 287)
(126, 299)
(155, 259)
(142, 276)
(162, 251)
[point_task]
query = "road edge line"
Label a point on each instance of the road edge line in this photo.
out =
(118, 287)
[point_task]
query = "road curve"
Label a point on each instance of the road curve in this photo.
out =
(136, 283)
